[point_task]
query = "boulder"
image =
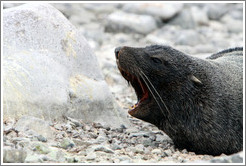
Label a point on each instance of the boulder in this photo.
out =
(49, 69)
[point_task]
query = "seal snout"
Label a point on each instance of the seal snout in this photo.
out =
(116, 51)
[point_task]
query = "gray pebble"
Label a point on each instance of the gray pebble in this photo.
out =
(102, 148)
(14, 155)
(167, 152)
(42, 138)
(66, 143)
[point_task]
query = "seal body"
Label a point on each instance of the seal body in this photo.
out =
(198, 103)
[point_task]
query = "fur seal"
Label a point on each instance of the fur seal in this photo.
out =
(198, 103)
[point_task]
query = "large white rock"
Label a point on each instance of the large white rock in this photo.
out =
(49, 70)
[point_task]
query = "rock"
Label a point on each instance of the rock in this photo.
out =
(237, 158)
(163, 138)
(66, 143)
(39, 126)
(139, 134)
(56, 155)
(100, 139)
(139, 149)
(237, 11)
(166, 35)
(77, 20)
(128, 22)
(93, 32)
(33, 158)
(52, 67)
(91, 156)
(216, 11)
(79, 142)
(233, 25)
(234, 158)
(41, 148)
(168, 152)
(156, 151)
(163, 10)
(199, 16)
(72, 159)
(42, 138)
(102, 148)
(190, 37)
(14, 155)
(101, 7)
(21, 142)
(115, 146)
(184, 19)
(75, 122)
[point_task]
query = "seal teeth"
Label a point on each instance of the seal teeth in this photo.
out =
(134, 106)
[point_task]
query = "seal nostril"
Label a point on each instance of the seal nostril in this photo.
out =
(116, 51)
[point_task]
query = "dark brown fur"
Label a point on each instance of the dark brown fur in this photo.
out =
(199, 102)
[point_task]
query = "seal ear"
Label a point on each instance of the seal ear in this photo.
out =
(195, 80)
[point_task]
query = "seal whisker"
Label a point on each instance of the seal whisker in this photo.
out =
(154, 89)
(152, 94)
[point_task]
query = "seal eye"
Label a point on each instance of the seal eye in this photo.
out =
(156, 60)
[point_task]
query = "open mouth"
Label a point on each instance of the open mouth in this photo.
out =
(140, 88)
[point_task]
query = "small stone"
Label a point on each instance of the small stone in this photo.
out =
(71, 159)
(75, 134)
(23, 143)
(140, 134)
(91, 156)
(5, 138)
(139, 149)
(123, 126)
(116, 146)
(129, 22)
(58, 126)
(156, 151)
(56, 155)
(215, 12)
(79, 142)
(42, 138)
(163, 10)
(86, 127)
(97, 125)
(14, 155)
(168, 152)
(34, 126)
(100, 139)
(67, 143)
(190, 37)
(119, 130)
(102, 148)
(33, 158)
(40, 148)
(184, 20)
(93, 135)
(184, 151)
(124, 158)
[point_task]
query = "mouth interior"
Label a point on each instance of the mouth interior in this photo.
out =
(139, 86)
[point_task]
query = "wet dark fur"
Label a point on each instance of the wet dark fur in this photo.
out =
(205, 117)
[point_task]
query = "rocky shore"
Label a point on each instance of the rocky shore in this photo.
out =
(197, 29)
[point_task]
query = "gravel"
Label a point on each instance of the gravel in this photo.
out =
(215, 27)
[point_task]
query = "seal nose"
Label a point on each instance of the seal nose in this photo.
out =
(116, 51)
